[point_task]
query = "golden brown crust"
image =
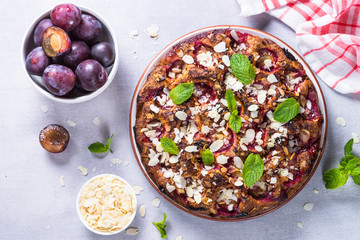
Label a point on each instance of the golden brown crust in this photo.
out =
(288, 150)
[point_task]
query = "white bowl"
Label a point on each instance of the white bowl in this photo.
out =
(83, 220)
(75, 96)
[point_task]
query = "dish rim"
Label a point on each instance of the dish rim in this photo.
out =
(260, 33)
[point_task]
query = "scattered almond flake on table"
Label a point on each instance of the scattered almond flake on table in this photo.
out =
(132, 231)
(355, 137)
(300, 225)
(308, 206)
(155, 202)
(138, 189)
(44, 108)
(126, 163)
(153, 31)
(84, 171)
(142, 210)
(179, 237)
(134, 33)
(116, 161)
(316, 191)
(71, 123)
(94, 169)
(340, 121)
(61, 181)
(96, 121)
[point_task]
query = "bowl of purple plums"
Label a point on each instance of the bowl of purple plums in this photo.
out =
(70, 54)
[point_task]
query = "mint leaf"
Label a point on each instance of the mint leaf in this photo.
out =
(355, 171)
(356, 179)
(286, 110)
(351, 164)
(99, 147)
(161, 227)
(242, 68)
(348, 147)
(207, 157)
(345, 160)
(181, 92)
(333, 178)
(235, 121)
(169, 146)
(253, 169)
(231, 101)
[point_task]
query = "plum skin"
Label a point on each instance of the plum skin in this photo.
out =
(79, 52)
(37, 61)
(89, 29)
(91, 75)
(104, 53)
(54, 138)
(66, 16)
(58, 79)
(40, 29)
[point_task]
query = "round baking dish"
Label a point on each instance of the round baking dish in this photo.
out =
(242, 29)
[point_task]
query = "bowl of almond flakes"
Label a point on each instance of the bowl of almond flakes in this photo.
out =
(106, 204)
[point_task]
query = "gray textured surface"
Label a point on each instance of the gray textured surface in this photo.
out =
(33, 204)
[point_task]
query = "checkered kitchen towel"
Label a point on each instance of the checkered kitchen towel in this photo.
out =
(327, 32)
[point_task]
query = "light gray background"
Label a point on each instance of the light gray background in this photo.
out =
(34, 206)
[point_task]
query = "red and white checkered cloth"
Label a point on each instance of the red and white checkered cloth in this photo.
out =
(327, 32)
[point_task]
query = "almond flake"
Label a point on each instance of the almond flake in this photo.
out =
(271, 78)
(154, 108)
(181, 115)
(132, 231)
(273, 180)
(116, 161)
(238, 162)
(155, 202)
(191, 148)
(226, 60)
(308, 104)
(169, 187)
(308, 206)
(188, 59)
(44, 108)
(340, 121)
(300, 225)
(355, 136)
(234, 35)
(205, 129)
(261, 96)
(138, 189)
(253, 107)
(227, 116)
(271, 92)
(258, 148)
(61, 181)
(316, 191)
(71, 123)
(153, 31)
(220, 47)
(189, 191)
(179, 237)
(84, 171)
(142, 210)
(96, 121)
(221, 159)
(173, 159)
(134, 33)
(216, 145)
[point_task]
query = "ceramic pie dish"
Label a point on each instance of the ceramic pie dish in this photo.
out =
(291, 151)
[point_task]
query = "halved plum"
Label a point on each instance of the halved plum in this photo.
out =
(267, 60)
(159, 131)
(238, 41)
(55, 42)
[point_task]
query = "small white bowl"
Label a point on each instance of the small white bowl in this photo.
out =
(76, 96)
(83, 220)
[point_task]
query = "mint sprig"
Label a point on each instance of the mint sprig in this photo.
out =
(161, 227)
(349, 166)
(169, 146)
(99, 147)
(181, 92)
(253, 169)
(242, 68)
(207, 157)
(235, 121)
(286, 110)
